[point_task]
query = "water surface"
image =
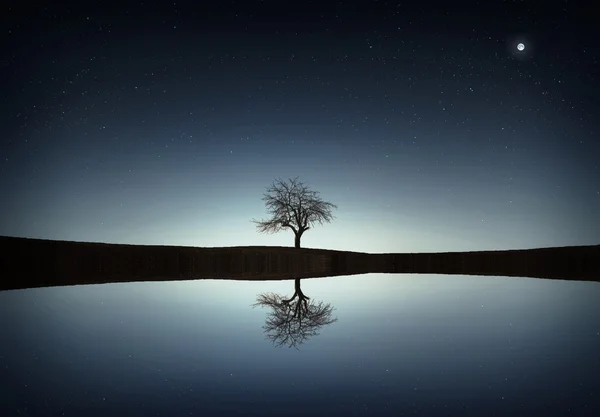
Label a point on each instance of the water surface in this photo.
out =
(407, 345)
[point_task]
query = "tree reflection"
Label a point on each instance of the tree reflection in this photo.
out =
(292, 321)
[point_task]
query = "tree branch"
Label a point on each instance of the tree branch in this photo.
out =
(292, 204)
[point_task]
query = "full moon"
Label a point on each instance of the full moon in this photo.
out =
(520, 46)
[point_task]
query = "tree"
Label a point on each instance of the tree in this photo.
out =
(292, 321)
(293, 205)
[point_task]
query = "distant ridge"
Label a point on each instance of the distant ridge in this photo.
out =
(31, 263)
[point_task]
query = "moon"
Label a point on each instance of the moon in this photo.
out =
(521, 46)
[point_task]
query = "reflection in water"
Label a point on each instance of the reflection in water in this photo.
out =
(292, 321)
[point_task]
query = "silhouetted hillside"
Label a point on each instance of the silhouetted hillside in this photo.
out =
(30, 263)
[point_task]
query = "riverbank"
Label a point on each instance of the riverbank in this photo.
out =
(31, 263)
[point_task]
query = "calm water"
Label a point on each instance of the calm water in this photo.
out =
(402, 345)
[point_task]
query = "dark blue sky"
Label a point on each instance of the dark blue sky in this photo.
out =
(162, 123)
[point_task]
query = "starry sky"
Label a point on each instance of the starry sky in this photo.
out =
(164, 122)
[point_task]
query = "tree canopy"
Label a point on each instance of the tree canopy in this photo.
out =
(292, 204)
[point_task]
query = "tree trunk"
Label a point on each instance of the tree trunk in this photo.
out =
(298, 236)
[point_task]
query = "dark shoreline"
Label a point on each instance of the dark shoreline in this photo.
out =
(31, 263)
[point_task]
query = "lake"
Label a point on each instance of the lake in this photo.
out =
(361, 345)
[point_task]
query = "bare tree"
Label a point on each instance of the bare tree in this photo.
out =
(292, 321)
(293, 205)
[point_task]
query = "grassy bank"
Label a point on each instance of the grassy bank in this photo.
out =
(30, 263)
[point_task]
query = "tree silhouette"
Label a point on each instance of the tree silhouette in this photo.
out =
(293, 205)
(292, 321)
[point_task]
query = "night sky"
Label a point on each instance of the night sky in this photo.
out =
(164, 122)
